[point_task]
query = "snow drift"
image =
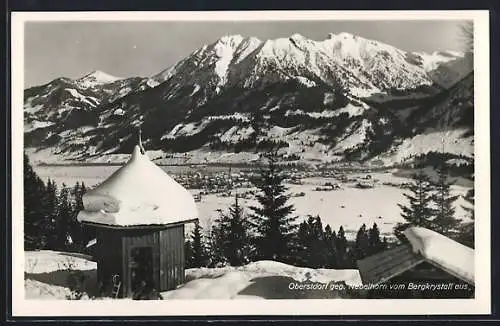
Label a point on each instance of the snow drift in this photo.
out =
(46, 278)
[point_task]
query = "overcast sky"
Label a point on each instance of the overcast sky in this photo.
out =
(126, 49)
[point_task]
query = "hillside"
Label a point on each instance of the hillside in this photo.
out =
(342, 98)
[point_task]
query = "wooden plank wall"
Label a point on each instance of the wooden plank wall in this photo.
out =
(171, 257)
(108, 255)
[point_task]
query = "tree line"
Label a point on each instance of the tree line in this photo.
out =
(431, 205)
(50, 214)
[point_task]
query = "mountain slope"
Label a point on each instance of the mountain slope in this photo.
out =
(344, 97)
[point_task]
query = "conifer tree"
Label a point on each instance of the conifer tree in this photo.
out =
(444, 221)
(272, 220)
(466, 235)
(362, 244)
(199, 250)
(331, 247)
(231, 235)
(303, 237)
(34, 189)
(418, 212)
(63, 219)
(50, 213)
(81, 235)
(188, 253)
(216, 242)
(375, 243)
(341, 247)
(313, 245)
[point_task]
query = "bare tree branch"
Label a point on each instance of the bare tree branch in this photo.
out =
(467, 36)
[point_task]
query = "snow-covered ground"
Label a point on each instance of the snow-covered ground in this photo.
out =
(46, 278)
(46, 275)
(259, 280)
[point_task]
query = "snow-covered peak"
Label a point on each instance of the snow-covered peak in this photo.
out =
(231, 40)
(95, 78)
(298, 37)
(431, 61)
(342, 35)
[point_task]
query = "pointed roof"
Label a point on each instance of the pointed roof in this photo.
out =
(138, 194)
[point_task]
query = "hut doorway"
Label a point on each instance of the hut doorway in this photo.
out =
(141, 269)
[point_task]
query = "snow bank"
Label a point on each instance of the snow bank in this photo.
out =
(444, 252)
(46, 278)
(258, 280)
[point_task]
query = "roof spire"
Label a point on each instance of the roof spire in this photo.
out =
(140, 141)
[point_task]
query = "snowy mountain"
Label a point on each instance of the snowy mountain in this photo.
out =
(96, 78)
(341, 98)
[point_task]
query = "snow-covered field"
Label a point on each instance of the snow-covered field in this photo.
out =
(348, 206)
(46, 278)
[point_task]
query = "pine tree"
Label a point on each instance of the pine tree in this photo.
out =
(341, 247)
(199, 250)
(81, 234)
(312, 242)
(34, 189)
(375, 244)
(275, 228)
(63, 219)
(331, 247)
(466, 235)
(216, 243)
(50, 213)
(419, 211)
(231, 238)
(304, 243)
(188, 253)
(444, 221)
(362, 244)
(318, 244)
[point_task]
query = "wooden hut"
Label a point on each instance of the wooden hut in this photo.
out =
(139, 214)
(430, 265)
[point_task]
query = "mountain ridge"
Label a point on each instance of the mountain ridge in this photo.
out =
(313, 98)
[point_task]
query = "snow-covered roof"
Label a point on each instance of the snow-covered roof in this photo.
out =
(139, 193)
(443, 252)
(424, 246)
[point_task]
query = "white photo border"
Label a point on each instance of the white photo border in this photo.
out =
(334, 307)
